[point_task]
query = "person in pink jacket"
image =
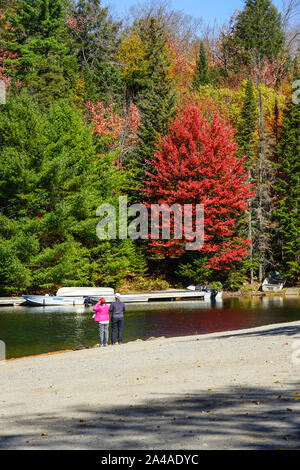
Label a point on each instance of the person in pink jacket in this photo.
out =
(102, 317)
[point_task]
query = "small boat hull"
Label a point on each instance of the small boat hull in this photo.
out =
(272, 287)
(85, 292)
(48, 300)
(273, 282)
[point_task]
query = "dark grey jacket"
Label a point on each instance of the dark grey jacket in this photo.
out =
(117, 309)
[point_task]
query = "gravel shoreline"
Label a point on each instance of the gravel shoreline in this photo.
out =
(228, 390)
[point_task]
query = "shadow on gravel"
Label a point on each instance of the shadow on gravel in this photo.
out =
(234, 418)
(288, 330)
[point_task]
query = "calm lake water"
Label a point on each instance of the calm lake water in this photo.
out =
(35, 330)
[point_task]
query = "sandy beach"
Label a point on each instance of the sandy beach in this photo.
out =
(229, 390)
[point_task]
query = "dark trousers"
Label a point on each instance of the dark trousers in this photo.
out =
(117, 325)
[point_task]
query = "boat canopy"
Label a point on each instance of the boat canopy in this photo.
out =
(84, 291)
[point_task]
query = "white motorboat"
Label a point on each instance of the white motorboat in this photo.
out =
(273, 282)
(214, 294)
(51, 300)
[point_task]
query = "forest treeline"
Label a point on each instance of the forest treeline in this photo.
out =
(157, 107)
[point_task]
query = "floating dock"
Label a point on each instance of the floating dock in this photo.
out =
(171, 295)
(9, 301)
(160, 296)
(292, 291)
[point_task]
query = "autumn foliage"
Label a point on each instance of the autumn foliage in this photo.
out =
(160, 107)
(198, 165)
(108, 123)
(4, 56)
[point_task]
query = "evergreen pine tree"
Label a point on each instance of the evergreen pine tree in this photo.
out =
(288, 189)
(248, 122)
(51, 184)
(259, 30)
(37, 35)
(156, 99)
(201, 76)
(296, 68)
(246, 142)
(256, 35)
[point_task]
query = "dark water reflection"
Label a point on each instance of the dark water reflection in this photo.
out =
(35, 330)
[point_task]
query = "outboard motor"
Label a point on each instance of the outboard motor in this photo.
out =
(214, 293)
(87, 301)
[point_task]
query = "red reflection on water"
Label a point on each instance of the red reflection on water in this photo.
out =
(193, 321)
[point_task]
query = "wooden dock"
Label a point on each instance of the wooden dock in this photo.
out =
(10, 301)
(292, 291)
(171, 295)
(167, 296)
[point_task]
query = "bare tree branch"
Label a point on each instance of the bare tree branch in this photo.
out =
(182, 27)
(290, 12)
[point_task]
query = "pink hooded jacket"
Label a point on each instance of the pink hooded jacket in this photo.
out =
(102, 315)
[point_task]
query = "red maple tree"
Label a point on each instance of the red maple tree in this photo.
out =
(198, 165)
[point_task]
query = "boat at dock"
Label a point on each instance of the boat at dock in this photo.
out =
(85, 292)
(90, 295)
(274, 282)
(69, 296)
(51, 300)
(215, 294)
(93, 294)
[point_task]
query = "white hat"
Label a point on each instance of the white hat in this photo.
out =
(117, 295)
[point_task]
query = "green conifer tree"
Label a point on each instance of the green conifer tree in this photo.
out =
(156, 99)
(38, 35)
(256, 35)
(246, 147)
(51, 184)
(259, 30)
(288, 188)
(248, 122)
(201, 76)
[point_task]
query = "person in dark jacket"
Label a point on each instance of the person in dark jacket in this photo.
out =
(117, 310)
